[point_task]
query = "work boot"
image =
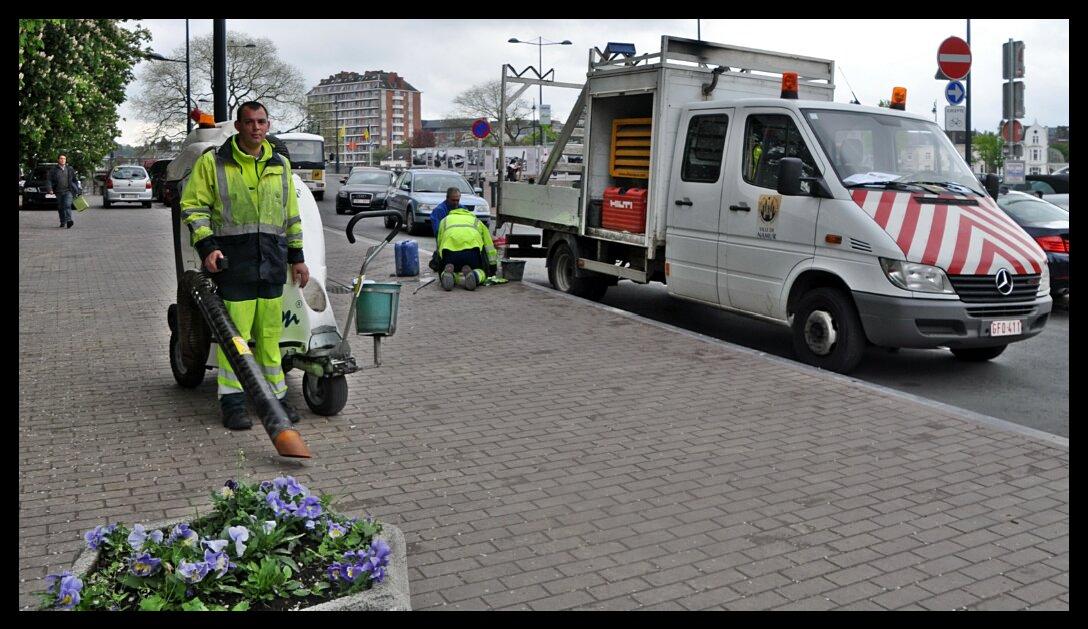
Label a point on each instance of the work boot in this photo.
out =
(235, 416)
(292, 413)
(70, 223)
(446, 278)
(468, 277)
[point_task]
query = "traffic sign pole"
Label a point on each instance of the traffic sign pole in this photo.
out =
(967, 116)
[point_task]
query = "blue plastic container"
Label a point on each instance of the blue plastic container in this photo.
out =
(407, 258)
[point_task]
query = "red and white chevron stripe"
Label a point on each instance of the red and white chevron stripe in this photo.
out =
(961, 239)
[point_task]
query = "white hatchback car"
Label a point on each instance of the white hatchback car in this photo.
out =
(127, 184)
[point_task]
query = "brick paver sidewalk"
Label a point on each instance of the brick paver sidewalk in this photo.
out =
(538, 452)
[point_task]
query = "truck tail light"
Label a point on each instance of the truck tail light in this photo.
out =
(899, 98)
(1053, 244)
(789, 85)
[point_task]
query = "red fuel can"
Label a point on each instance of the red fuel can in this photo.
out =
(624, 209)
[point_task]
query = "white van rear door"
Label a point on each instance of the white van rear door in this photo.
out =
(694, 204)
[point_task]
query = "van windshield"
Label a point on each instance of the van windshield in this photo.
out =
(306, 153)
(866, 147)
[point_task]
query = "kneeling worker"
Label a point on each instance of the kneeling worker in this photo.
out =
(465, 243)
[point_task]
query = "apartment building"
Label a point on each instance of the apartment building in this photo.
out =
(379, 102)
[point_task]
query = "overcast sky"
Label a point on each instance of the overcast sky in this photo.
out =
(442, 57)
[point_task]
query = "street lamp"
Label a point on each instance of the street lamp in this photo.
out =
(539, 43)
(188, 93)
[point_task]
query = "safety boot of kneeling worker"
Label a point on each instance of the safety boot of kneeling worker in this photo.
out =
(235, 416)
(446, 277)
(471, 278)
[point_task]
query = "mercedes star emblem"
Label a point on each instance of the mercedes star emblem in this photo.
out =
(1003, 281)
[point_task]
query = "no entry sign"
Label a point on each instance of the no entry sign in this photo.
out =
(954, 58)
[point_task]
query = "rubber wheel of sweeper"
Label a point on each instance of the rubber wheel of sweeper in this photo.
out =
(190, 338)
(325, 396)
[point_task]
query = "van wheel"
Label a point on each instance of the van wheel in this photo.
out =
(561, 267)
(827, 332)
(978, 354)
(325, 396)
(319, 196)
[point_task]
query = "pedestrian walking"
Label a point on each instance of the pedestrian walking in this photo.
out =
(63, 181)
(240, 204)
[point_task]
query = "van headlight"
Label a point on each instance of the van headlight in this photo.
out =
(1044, 282)
(920, 278)
(30, 189)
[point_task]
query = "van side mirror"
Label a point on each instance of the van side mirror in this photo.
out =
(478, 190)
(343, 180)
(991, 183)
(789, 176)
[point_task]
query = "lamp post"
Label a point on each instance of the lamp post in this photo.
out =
(188, 92)
(539, 43)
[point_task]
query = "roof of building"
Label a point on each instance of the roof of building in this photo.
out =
(386, 80)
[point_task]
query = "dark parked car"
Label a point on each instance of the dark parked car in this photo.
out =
(364, 189)
(1048, 224)
(34, 187)
(157, 171)
(1052, 188)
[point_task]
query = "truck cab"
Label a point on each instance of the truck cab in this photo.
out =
(742, 186)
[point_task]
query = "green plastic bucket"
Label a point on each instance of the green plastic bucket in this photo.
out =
(376, 308)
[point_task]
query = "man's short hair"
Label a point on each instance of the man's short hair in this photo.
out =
(251, 104)
(62, 155)
(451, 190)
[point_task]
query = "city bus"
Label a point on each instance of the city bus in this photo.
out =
(307, 152)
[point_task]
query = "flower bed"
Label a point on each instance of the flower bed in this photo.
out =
(271, 546)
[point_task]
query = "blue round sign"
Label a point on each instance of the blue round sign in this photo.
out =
(954, 92)
(481, 128)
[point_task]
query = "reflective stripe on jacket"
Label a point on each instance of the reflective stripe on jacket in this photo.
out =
(461, 230)
(247, 208)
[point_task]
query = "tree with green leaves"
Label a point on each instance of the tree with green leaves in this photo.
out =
(990, 148)
(72, 78)
(252, 74)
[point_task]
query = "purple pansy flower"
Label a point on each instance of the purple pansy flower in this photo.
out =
(336, 571)
(139, 536)
(265, 485)
(184, 534)
(193, 572)
(379, 551)
(230, 483)
(310, 507)
(217, 561)
(94, 538)
(68, 591)
(239, 534)
(215, 545)
(66, 586)
(144, 566)
(291, 485)
(352, 572)
(279, 507)
(335, 530)
(310, 525)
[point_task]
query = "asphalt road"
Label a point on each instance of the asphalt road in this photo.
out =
(1027, 385)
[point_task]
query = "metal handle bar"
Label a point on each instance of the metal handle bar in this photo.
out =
(374, 214)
